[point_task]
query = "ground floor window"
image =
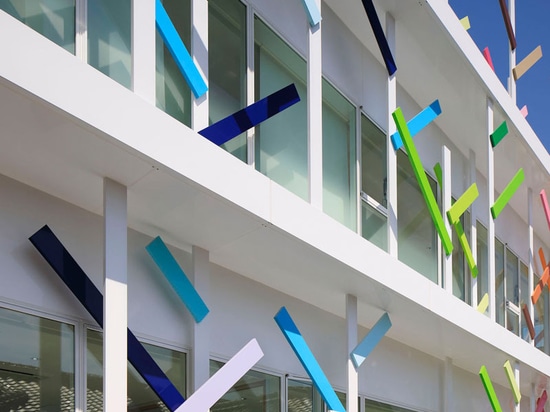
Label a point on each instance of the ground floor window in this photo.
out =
(375, 406)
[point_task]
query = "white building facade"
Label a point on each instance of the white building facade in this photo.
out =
(312, 210)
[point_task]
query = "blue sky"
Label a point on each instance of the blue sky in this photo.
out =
(532, 28)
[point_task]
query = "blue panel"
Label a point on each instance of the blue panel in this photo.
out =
(380, 36)
(417, 123)
(365, 347)
(239, 122)
(177, 278)
(85, 291)
(313, 13)
(302, 351)
(181, 56)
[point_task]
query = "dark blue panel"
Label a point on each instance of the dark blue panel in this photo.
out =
(380, 36)
(239, 122)
(85, 291)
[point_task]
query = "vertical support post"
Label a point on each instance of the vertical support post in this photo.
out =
(517, 406)
(446, 195)
(353, 380)
(447, 385)
(512, 55)
(250, 85)
(115, 302)
(473, 227)
(199, 50)
(391, 154)
(546, 320)
(315, 114)
(531, 269)
(200, 355)
(491, 201)
(143, 49)
(533, 399)
(81, 28)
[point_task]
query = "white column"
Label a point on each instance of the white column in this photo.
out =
(391, 155)
(250, 84)
(81, 29)
(115, 306)
(533, 400)
(315, 114)
(143, 49)
(200, 353)
(353, 382)
(446, 195)
(473, 227)
(517, 406)
(199, 50)
(491, 222)
(512, 55)
(531, 269)
(447, 385)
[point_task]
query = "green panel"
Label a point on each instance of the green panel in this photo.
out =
(439, 175)
(507, 193)
(422, 180)
(499, 134)
(466, 248)
(463, 203)
(489, 389)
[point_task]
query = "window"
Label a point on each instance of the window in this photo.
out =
(539, 317)
(227, 65)
(499, 283)
(281, 142)
(173, 95)
(417, 246)
(512, 292)
(255, 391)
(339, 157)
(140, 396)
(302, 397)
(374, 406)
(461, 271)
(36, 363)
(109, 39)
(482, 261)
(54, 19)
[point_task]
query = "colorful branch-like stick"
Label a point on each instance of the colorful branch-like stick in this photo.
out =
(524, 111)
(528, 321)
(545, 206)
(507, 193)
(499, 134)
(177, 278)
(508, 24)
(465, 21)
(239, 122)
(312, 11)
(487, 55)
(369, 342)
(512, 381)
(527, 63)
(543, 280)
(483, 303)
(541, 402)
(417, 123)
(489, 389)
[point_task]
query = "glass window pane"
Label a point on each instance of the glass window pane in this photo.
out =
(300, 396)
(281, 142)
(539, 317)
(109, 38)
(512, 291)
(255, 391)
(339, 157)
(227, 65)
(173, 94)
(373, 161)
(525, 298)
(482, 262)
(417, 246)
(499, 282)
(140, 396)
(461, 270)
(54, 19)
(374, 226)
(374, 406)
(36, 363)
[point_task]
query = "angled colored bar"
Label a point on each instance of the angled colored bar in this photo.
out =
(463, 203)
(527, 63)
(512, 380)
(499, 134)
(483, 303)
(223, 380)
(369, 342)
(417, 123)
(61, 261)
(438, 174)
(541, 402)
(177, 278)
(463, 240)
(489, 389)
(465, 21)
(422, 180)
(487, 55)
(540, 285)
(239, 122)
(545, 206)
(524, 111)
(312, 11)
(308, 361)
(528, 320)
(542, 258)
(181, 56)
(508, 24)
(380, 36)
(507, 193)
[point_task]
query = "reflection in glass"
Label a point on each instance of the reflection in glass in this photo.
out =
(499, 282)
(140, 396)
(374, 226)
(339, 158)
(281, 142)
(374, 406)
(539, 317)
(482, 262)
(461, 270)
(512, 292)
(373, 161)
(36, 364)
(54, 19)
(227, 65)
(255, 391)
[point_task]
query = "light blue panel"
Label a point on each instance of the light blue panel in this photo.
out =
(180, 54)
(365, 347)
(417, 123)
(177, 278)
(313, 13)
(302, 351)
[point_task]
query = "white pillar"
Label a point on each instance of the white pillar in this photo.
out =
(446, 195)
(250, 84)
(490, 221)
(447, 385)
(115, 306)
(531, 268)
(199, 50)
(353, 380)
(473, 227)
(517, 406)
(143, 49)
(512, 55)
(81, 30)
(391, 154)
(315, 114)
(200, 354)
